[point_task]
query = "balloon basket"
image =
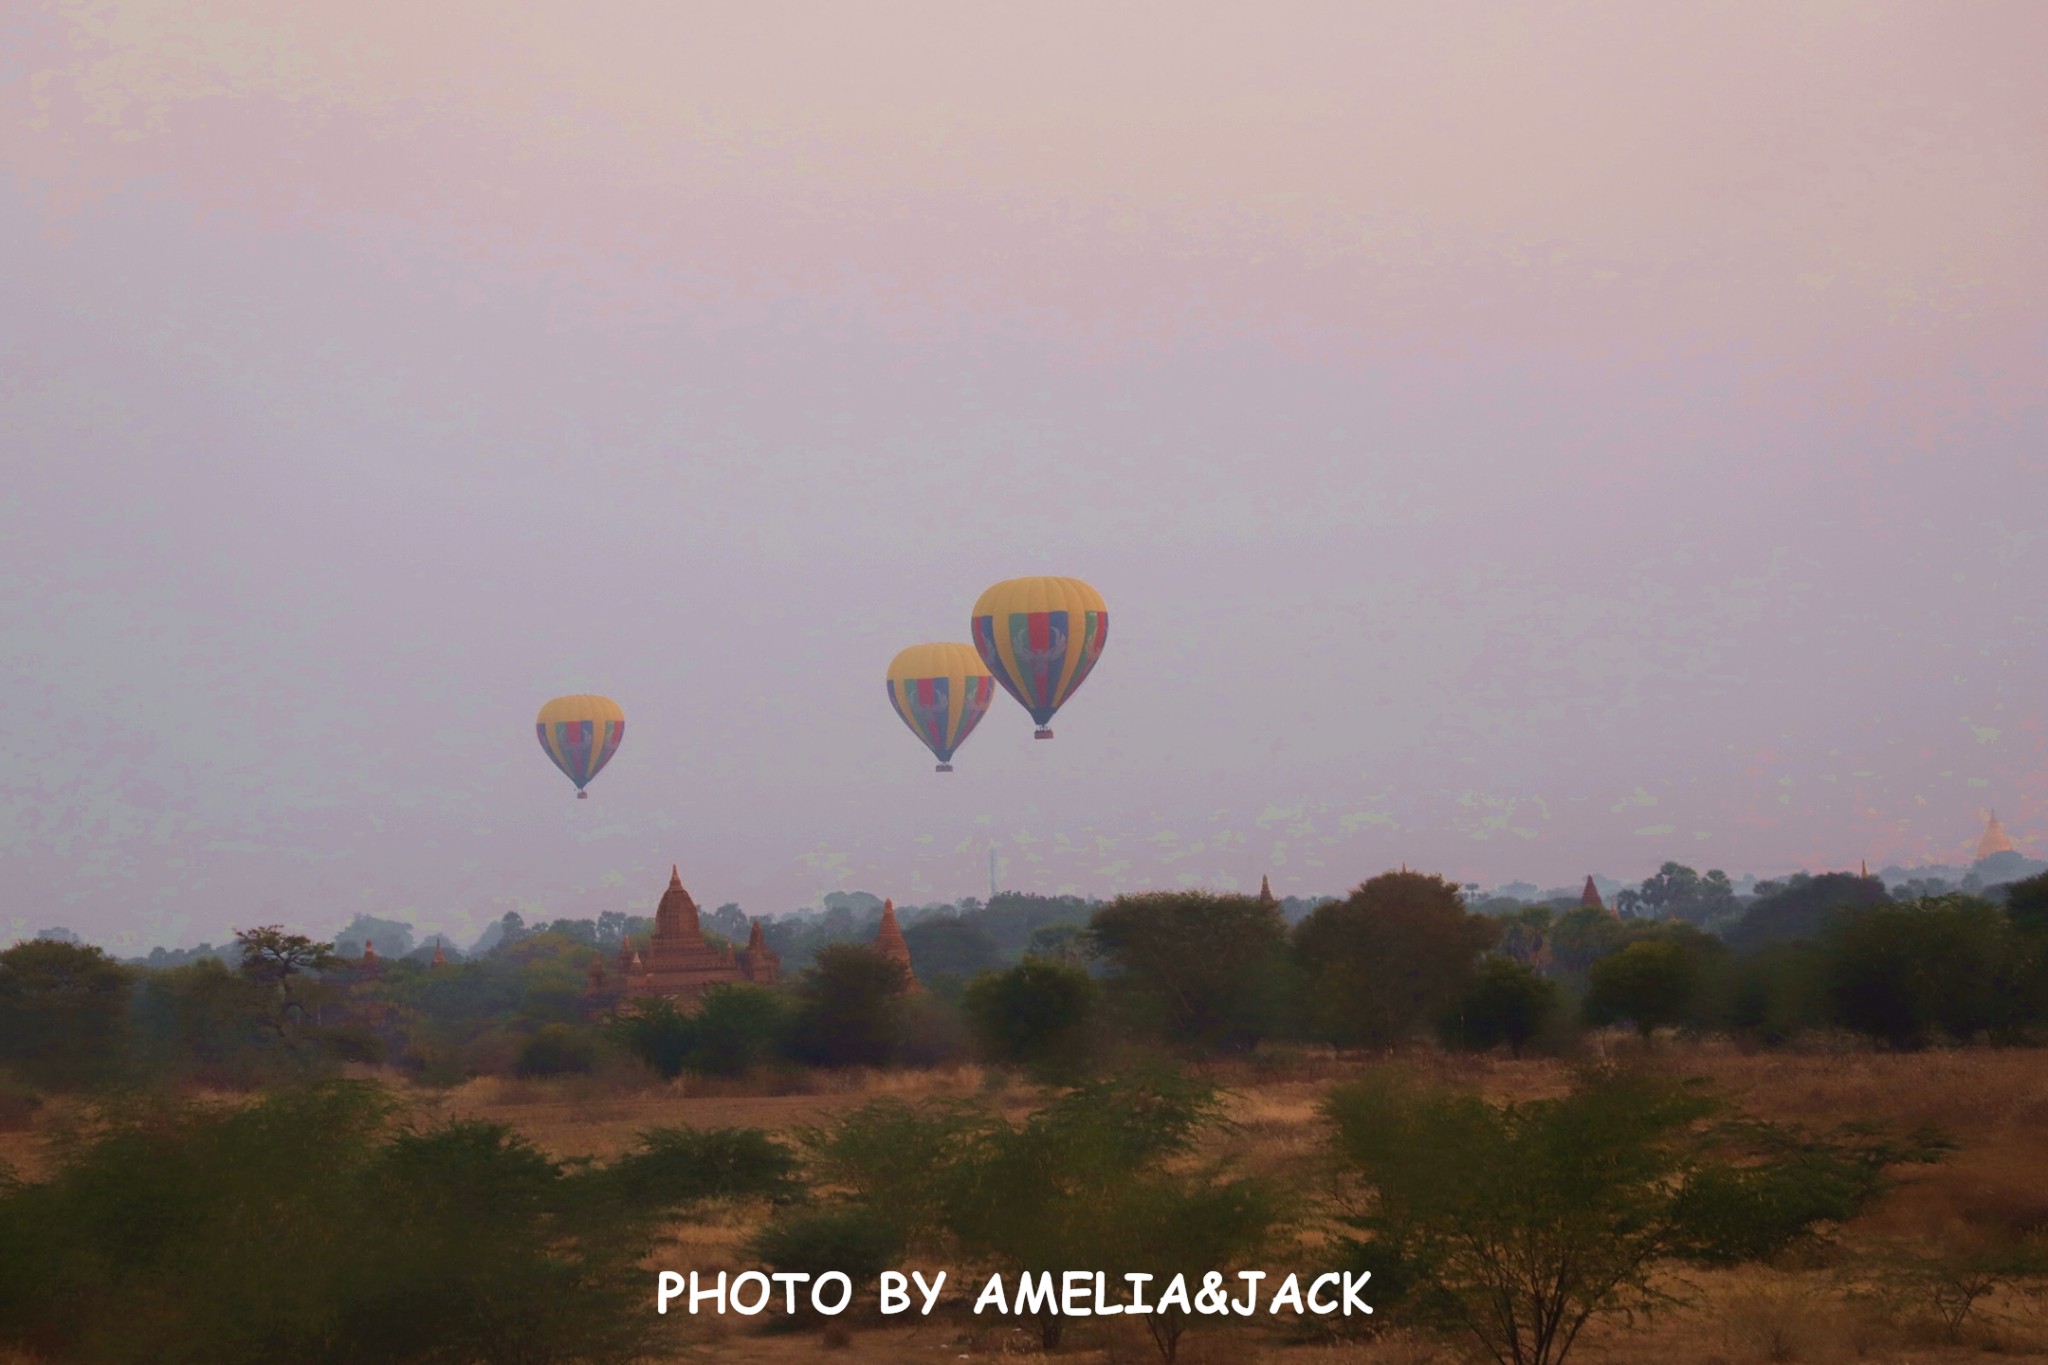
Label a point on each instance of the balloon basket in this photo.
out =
(943, 768)
(582, 796)
(1042, 734)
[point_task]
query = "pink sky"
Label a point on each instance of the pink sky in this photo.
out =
(1516, 440)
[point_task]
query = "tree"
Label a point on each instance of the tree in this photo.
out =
(1035, 1015)
(1517, 1224)
(1801, 908)
(1092, 1179)
(1199, 968)
(849, 1008)
(1649, 984)
(1950, 965)
(1389, 958)
(63, 1014)
(2027, 904)
(946, 946)
(1509, 1003)
(318, 1224)
(737, 1027)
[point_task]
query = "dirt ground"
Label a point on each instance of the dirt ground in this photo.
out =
(1993, 1103)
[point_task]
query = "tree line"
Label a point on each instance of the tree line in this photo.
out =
(1402, 958)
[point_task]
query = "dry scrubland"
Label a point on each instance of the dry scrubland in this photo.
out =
(1832, 1308)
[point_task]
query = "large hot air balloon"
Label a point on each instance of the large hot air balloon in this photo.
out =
(942, 692)
(581, 734)
(1040, 636)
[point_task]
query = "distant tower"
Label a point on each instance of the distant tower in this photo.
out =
(1589, 899)
(369, 953)
(1994, 840)
(889, 943)
(1266, 894)
(440, 958)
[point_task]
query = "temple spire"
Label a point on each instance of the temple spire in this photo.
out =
(1589, 899)
(889, 943)
(1266, 892)
(1994, 840)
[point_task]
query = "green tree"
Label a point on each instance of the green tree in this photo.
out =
(1517, 1224)
(737, 1028)
(1801, 908)
(558, 1050)
(2026, 902)
(1389, 958)
(1909, 973)
(1509, 1003)
(659, 1034)
(316, 1225)
(1036, 1014)
(63, 1014)
(1198, 968)
(946, 946)
(1094, 1179)
(1649, 984)
(849, 1008)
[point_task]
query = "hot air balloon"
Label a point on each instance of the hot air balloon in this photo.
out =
(581, 734)
(1039, 637)
(942, 692)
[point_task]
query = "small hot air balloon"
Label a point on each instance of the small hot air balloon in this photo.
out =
(581, 734)
(1039, 637)
(942, 692)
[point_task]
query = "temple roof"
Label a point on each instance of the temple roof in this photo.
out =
(1589, 899)
(1994, 840)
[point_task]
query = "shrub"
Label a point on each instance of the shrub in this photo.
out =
(851, 1238)
(1509, 1003)
(558, 1050)
(671, 1167)
(1520, 1223)
(1034, 1015)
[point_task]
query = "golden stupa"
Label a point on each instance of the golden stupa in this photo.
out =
(1994, 840)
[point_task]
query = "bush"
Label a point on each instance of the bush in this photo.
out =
(850, 1008)
(558, 1050)
(1034, 1015)
(659, 1034)
(18, 1104)
(63, 1014)
(855, 1240)
(672, 1167)
(1509, 1003)
(1520, 1223)
(314, 1225)
(736, 1029)
(1648, 984)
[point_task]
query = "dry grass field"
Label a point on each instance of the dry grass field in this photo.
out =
(1839, 1307)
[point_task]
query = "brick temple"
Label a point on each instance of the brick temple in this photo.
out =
(680, 962)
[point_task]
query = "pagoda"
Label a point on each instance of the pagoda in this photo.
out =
(1589, 899)
(1994, 840)
(889, 943)
(680, 962)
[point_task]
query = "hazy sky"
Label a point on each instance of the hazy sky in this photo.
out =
(1514, 440)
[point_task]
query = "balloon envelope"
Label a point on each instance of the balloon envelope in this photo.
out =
(941, 691)
(580, 734)
(1040, 637)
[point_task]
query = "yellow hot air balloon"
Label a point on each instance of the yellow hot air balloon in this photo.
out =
(941, 691)
(581, 733)
(1040, 637)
